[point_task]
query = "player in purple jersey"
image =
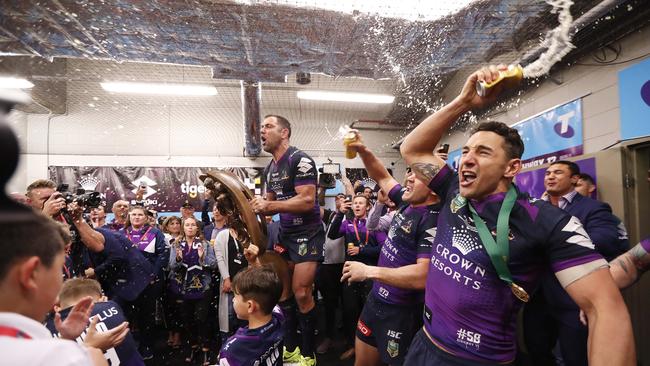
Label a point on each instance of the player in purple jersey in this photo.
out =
(392, 313)
(257, 291)
(291, 192)
(472, 297)
(108, 318)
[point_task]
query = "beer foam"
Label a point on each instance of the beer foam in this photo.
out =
(557, 41)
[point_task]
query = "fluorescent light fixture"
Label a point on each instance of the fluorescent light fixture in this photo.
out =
(9, 82)
(345, 97)
(159, 89)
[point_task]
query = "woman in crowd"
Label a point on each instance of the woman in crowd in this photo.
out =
(151, 242)
(193, 256)
(362, 245)
(171, 227)
(230, 260)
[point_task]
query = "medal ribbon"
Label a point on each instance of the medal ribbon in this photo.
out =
(499, 251)
(356, 232)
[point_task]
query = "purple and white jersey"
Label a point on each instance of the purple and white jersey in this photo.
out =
(410, 237)
(252, 347)
(469, 310)
(295, 168)
(110, 315)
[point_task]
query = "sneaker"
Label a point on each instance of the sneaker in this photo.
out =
(307, 361)
(291, 357)
(347, 354)
(324, 346)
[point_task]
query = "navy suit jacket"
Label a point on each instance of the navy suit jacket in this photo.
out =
(121, 268)
(609, 237)
(604, 229)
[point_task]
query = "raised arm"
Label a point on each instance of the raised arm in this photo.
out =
(376, 170)
(418, 146)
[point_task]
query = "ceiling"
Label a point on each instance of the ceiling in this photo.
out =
(67, 46)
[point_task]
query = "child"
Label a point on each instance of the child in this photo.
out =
(257, 291)
(108, 316)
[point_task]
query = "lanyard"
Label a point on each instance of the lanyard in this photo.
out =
(500, 250)
(13, 332)
(130, 234)
(356, 232)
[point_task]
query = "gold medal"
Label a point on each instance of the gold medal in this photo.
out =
(519, 292)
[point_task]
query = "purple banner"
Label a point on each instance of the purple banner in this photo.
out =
(552, 157)
(167, 187)
(533, 181)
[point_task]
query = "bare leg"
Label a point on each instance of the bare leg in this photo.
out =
(365, 354)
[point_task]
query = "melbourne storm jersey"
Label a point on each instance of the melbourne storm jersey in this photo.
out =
(252, 347)
(470, 311)
(295, 168)
(410, 237)
(110, 316)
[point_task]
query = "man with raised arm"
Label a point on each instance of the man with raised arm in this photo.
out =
(392, 313)
(493, 243)
(291, 191)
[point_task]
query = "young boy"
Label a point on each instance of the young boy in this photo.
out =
(30, 278)
(257, 292)
(106, 315)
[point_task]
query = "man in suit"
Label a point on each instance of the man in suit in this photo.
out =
(551, 315)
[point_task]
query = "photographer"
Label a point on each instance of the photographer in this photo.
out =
(41, 196)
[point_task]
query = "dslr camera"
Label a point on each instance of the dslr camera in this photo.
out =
(86, 200)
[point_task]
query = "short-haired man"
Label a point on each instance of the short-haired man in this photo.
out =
(121, 210)
(30, 279)
(41, 197)
(476, 284)
(98, 216)
(552, 316)
(392, 313)
(291, 191)
(585, 185)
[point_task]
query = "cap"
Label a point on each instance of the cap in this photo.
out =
(187, 204)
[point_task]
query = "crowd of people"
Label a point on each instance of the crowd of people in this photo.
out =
(427, 269)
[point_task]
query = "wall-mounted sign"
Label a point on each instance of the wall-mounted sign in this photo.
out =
(634, 95)
(555, 134)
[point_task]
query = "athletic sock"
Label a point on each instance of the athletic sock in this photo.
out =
(288, 307)
(307, 323)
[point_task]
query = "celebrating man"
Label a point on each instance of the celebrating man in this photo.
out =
(291, 191)
(476, 284)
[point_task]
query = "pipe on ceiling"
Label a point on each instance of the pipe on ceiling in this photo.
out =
(251, 95)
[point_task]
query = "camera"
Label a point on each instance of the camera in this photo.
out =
(90, 199)
(443, 149)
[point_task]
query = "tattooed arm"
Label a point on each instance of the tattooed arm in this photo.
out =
(629, 266)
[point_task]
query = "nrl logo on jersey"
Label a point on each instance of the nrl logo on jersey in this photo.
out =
(457, 203)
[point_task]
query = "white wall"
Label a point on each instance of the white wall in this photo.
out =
(598, 85)
(84, 140)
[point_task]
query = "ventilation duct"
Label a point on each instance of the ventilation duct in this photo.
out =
(251, 94)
